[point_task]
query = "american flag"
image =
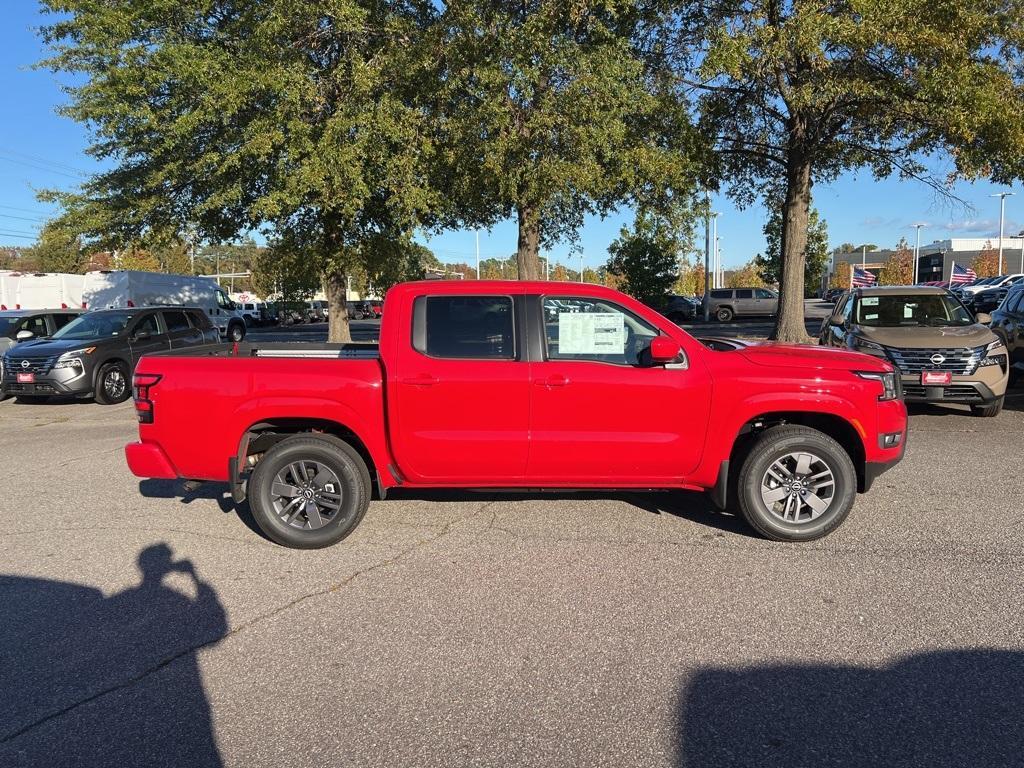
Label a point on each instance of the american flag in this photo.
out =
(862, 278)
(961, 275)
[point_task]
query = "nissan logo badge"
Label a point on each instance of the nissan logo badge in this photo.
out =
(937, 359)
(25, 363)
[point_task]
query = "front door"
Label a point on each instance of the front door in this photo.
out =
(600, 414)
(146, 337)
(460, 394)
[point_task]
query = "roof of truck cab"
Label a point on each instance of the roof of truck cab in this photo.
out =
(548, 287)
(902, 290)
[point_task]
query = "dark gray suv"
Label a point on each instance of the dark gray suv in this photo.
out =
(95, 354)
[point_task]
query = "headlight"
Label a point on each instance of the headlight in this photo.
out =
(890, 388)
(869, 347)
(993, 345)
(73, 359)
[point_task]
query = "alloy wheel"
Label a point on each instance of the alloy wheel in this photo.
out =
(306, 494)
(114, 384)
(798, 487)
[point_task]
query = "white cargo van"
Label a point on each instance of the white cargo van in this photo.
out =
(48, 290)
(8, 288)
(111, 289)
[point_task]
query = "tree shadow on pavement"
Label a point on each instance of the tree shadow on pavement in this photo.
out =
(934, 710)
(687, 505)
(89, 680)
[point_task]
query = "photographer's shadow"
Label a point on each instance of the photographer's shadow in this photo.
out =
(108, 681)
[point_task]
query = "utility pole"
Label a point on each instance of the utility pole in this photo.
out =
(477, 233)
(1002, 211)
(714, 244)
(707, 259)
(581, 266)
(863, 257)
(917, 250)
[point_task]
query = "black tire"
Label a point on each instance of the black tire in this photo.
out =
(249, 322)
(345, 465)
(113, 383)
(775, 444)
(723, 314)
(236, 332)
(989, 409)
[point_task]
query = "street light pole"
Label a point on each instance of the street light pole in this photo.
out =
(581, 266)
(707, 260)
(714, 244)
(1002, 211)
(917, 250)
(477, 233)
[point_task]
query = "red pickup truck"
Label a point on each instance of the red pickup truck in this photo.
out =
(482, 384)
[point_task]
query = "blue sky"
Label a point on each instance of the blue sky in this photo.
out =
(39, 149)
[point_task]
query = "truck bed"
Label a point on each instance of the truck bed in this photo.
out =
(349, 350)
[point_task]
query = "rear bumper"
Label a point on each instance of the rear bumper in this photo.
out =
(149, 460)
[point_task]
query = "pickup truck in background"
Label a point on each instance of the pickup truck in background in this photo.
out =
(482, 384)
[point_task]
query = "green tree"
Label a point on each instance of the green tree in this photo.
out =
(747, 276)
(899, 269)
(548, 115)
(799, 92)
(57, 249)
(645, 258)
(220, 117)
(815, 256)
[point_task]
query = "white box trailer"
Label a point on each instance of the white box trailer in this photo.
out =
(114, 289)
(48, 290)
(8, 288)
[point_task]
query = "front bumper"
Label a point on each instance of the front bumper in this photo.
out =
(58, 381)
(962, 389)
(149, 460)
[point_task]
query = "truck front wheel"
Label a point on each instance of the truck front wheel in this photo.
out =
(236, 332)
(309, 491)
(796, 484)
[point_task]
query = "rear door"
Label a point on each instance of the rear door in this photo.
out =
(745, 303)
(600, 415)
(767, 303)
(461, 391)
(180, 332)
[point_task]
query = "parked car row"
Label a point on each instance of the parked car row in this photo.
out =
(725, 304)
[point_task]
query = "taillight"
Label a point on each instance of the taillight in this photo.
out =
(141, 384)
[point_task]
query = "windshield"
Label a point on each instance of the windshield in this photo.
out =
(911, 310)
(99, 325)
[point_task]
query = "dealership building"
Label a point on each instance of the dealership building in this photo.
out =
(936, 259)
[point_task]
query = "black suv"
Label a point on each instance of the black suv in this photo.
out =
(1008, 324)
(95, 354)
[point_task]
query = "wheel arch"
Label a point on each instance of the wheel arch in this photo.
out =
(115, 358)
(260, 436)
(834, 425)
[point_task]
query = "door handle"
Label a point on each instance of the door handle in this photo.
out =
(555, 380)
(422, 380)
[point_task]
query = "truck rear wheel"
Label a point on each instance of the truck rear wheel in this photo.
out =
(723, 314)
(309, 491)
(796, 484)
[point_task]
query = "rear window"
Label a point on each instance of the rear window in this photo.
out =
(467, 327)
(744, 293)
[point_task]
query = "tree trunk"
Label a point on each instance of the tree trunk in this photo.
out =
(528, 252)
(336, 287)
(789, 323)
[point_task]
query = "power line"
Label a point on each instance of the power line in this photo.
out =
(19, 236)
(20, 218)
(44, 161)
(23, 210)
(41, 168)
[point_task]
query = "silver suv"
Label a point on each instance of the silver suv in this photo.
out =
(727, 303)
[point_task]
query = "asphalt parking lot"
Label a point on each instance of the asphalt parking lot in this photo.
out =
(144, 626)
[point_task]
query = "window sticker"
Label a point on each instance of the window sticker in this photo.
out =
(869, 301)
(591, 333)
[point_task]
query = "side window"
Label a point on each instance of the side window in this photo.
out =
(594, 329)
(148, 323)
(744, 293)
(199, 320)
(465, 327)
(721, 294)
(36, 324)
(175, 321)
(59, 321)
(762, 293)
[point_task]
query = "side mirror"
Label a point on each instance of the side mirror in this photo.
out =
(837, 319)
(982, 317)
(24, 335)
(142, 335)
(664, 350)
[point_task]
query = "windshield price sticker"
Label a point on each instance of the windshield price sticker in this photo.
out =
(591, 333)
